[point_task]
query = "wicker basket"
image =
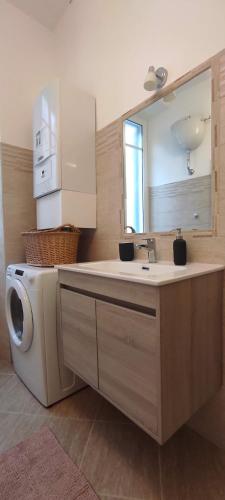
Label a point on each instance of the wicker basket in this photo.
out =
(51, 247)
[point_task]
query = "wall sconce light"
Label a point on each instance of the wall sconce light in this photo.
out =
(155, 78)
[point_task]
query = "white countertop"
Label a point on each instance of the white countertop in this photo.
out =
(139, 271)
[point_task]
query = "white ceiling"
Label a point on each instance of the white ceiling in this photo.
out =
(46, 12)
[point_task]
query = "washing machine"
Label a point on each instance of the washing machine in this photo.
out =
(31, 312)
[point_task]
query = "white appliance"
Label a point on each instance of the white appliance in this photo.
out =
(64, 156)
(46, 149)
(189, 133)
(32, 322)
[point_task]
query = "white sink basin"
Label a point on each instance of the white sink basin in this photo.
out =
(142, 272)
(143, 269)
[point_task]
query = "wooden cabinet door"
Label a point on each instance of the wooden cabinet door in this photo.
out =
(78, 327)
(128, 356)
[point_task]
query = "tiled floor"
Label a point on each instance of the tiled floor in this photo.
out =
(120, 461)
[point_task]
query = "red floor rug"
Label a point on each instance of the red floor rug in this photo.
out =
(39, 469)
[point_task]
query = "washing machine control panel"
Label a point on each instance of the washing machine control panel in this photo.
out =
(14, 272)
(27, 277)
(19, 272)
(9, 271)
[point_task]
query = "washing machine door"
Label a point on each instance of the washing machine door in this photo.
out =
(19, 316)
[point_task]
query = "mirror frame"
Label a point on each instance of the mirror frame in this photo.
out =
(214, 64)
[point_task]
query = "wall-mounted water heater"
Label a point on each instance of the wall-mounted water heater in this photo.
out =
(189, 133)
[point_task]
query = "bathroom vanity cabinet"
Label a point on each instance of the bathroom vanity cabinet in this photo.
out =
(153, 351)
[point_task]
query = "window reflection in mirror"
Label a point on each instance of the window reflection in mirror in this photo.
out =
(167, 161)
(133, 171)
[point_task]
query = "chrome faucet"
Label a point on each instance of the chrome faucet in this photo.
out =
(132, 230)
(150, 246)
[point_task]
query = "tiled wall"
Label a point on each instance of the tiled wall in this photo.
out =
(103, 244)
(185, 204)
(4, 344)
(17, 215)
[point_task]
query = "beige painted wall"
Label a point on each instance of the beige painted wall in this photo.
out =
(27, 62)
(106, 46)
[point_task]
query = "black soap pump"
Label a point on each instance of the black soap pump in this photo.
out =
(179, 249)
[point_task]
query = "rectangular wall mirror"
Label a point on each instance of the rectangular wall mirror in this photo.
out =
(167, 161)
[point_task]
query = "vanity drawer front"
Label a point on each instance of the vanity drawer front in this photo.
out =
(126, 291)
(128, 356)
(78, 326)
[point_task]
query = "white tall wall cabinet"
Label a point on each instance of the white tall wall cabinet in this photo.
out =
(64, 157)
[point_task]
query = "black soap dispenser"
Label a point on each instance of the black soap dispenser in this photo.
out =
(179, 249)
